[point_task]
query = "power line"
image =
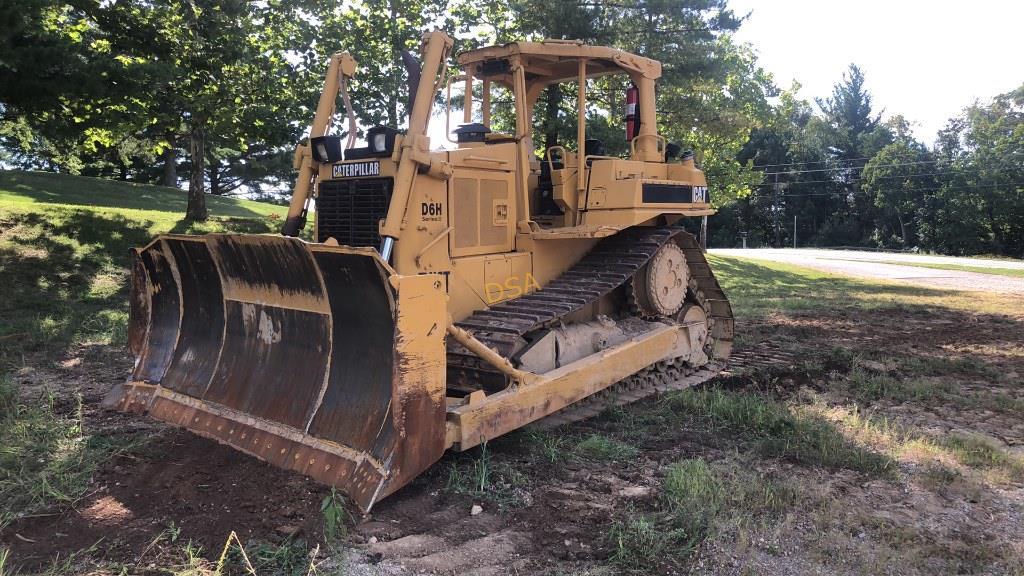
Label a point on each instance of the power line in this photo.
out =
(849, 192)
(894, 177)
(811, 162)
(838, 168)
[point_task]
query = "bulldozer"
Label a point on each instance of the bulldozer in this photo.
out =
(447, 296)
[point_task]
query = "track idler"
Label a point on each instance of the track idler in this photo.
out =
(315, 358)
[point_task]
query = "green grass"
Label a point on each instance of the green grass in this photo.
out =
(64, 243)
(34, 190)
(604, 449)
(776, 430)
(47, 457)
(698, 499)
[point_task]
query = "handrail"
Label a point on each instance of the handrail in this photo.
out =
(484, 159)
(632, 143)
(547, 154)
(430, 244)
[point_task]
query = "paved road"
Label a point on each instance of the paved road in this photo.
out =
(892, 267)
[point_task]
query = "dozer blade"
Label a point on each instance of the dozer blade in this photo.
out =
(315, 358)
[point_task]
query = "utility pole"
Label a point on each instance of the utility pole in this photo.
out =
(743, 235)
(794, 230)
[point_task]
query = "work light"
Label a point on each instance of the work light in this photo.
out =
(326, 149)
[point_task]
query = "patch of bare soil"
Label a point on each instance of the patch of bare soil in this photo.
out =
(553, 511)
(182, 482)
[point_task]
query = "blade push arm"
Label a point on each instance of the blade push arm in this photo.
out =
(342, 67)
(415, 144)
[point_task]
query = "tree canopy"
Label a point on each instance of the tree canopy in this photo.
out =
(221, 91)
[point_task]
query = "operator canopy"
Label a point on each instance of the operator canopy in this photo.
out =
(554, 61)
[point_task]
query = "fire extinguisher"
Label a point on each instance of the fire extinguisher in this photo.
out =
(632, 112)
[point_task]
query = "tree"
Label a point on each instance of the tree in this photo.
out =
(994, 163)
(898, 178)
(375, 32)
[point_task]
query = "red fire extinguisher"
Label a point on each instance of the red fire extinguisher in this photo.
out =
(632, 112)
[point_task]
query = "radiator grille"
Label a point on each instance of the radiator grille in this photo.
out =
(349, 210)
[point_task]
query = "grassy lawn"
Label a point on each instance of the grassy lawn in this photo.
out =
(165, 206)
(64, 243)
(758, 288)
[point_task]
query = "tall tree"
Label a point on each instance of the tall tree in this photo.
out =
(898, 178)
(994, 138)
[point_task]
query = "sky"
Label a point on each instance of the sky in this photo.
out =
(924, 60)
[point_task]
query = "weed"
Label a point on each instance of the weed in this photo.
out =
(290, 558)
(775, 430)
(195, 564)
(694, 497)
(945, 365)
(8, 399)
(481, 477)
(936, 476)
(336, 516)
(922, 385)
(59, 566)
(638, 542)
(977, 452)
(602, 448)
(553, 448)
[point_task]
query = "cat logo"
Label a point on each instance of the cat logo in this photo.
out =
(700, 194)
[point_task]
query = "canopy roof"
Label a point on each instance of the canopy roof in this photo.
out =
(553, 61)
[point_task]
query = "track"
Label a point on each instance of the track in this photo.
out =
(610, 265)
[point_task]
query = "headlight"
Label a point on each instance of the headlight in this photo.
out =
(380, 142)
(326, 148)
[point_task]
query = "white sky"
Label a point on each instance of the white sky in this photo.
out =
(925, 60)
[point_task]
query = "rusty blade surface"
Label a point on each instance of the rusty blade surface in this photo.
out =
(314, 358)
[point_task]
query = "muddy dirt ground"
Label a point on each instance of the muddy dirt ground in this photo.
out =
(912, 384)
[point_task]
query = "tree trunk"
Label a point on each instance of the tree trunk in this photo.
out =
(123, 173)
(170, 177)
(997, 236)
(554, 97)
(903, 228)
(215, 178)
(396, 58)
(197, 153)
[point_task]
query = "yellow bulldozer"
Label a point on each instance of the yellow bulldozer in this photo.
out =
(448, 296)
